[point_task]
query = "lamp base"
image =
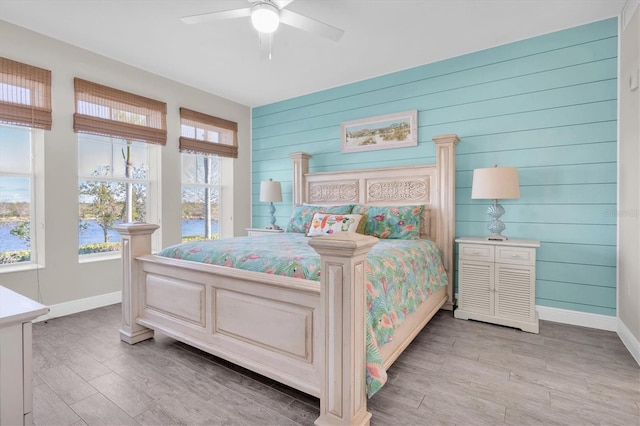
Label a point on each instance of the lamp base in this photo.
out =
(272, 221)
(496, 237)
(496, 226)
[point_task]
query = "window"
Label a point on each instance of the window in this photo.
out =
(25, 108)
(206, 143)
(117, 179)
(17, 179)
(200, 197)
(114, 186)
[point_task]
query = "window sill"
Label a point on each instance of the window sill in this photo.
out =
(98, 257)
(19, 267)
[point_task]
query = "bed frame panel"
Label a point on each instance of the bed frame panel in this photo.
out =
(306, 334)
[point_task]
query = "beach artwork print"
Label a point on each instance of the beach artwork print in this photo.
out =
(382, 132)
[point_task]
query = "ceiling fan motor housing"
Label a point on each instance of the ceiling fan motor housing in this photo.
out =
(265, 16)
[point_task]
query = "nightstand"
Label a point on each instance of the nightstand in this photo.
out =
(16, 370)
(259, 231)
(497, 282)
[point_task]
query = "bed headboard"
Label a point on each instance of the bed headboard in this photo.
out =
(432, 185)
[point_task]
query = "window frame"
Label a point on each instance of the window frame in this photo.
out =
(216, 186)
(152, 181)
(36, 201)
(92, 102)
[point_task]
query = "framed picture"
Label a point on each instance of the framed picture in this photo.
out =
(382, 132)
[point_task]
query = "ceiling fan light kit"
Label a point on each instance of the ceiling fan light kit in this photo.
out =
(265, 17)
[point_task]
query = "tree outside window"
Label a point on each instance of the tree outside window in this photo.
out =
(200, 197)
(113, 188)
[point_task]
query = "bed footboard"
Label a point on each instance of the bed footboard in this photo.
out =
(306, 334)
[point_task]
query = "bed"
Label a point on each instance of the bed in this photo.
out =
(310, 335)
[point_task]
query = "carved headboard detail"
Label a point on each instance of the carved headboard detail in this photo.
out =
(398, 190)
(394, 186)
(333, 193)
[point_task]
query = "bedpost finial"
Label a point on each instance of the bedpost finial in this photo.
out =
(447, 138)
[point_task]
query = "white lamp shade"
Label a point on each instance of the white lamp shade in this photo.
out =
(265, 17)
(495, 183)
(270, 191)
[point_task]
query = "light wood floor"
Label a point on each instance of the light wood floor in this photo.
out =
(456, 372)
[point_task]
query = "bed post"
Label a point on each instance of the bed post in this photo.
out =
(343, 395)
(300, 168)
(446, 166)
(136, 241)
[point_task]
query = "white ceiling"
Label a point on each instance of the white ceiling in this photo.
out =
(381, 36)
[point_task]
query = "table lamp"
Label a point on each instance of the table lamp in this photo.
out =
(270, 191)
(495, 183)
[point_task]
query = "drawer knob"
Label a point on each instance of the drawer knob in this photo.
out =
(514, 255)
(476, 252)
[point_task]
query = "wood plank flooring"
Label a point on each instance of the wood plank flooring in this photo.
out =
(455, 373)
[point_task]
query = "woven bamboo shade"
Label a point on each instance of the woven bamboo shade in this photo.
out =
(206, 134)
(25, 95)
(102, 110)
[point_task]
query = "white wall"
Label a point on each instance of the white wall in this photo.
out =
(629, 181)
(64, 279)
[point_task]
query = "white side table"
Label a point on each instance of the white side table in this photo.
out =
(497, 282)
(260, 231)
(16, 314)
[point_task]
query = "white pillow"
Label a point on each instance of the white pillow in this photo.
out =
(330, 223)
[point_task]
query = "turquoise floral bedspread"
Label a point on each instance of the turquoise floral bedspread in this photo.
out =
(397, 277)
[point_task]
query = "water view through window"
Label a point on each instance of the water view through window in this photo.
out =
(200, 196)
(93, 233)
(115, 185)
(16, 195)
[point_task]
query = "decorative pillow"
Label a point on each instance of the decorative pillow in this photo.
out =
(300, 220)
(401, 223)
(329, 223)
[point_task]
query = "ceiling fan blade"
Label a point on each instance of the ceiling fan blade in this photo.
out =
(216, 16)
(311, 25)
(282, 3)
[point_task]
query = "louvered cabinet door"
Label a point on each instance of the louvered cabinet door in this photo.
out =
(514, 292)
(515, 286)
(475, 287)
(497, 282)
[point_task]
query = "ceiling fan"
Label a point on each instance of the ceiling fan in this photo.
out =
(266, 16)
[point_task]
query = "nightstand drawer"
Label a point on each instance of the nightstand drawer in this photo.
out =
(516, 255)
(476, 252)
(262, 231)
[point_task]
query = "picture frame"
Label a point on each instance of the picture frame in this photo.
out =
(388, 131)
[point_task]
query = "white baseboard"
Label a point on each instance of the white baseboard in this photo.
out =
(80, 305)
(583, 319)
(629, 340)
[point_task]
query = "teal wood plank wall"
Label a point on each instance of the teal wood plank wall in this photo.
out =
(546, 105)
